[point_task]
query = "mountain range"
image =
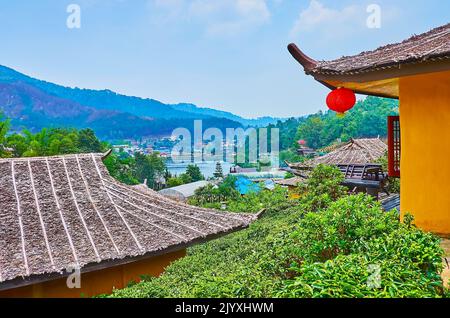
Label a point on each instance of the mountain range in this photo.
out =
(34, 104)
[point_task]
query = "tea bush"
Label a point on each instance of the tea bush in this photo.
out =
(336, 248)
(322, 188)
(249, 263)
(326, 244)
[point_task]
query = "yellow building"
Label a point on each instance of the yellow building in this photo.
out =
(68, 229)
(417, 72)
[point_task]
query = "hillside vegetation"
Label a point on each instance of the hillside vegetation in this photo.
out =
(367, 119)
(327, 244)
(35, 104)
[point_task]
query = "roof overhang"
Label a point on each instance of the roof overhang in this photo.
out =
(380, 81)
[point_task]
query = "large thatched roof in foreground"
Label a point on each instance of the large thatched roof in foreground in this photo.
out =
(64, 211)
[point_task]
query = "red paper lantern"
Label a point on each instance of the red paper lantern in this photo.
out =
(341, 100)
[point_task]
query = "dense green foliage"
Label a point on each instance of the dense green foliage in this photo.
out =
(366, 119)
(215, 196)
(322, 188)
(50, 142)
(288, 130)
(343, 248)
(4, 128)
(122, 168)
(60, 141)
(218, 173)
(340, 248)
(192, 174)
(225, 196)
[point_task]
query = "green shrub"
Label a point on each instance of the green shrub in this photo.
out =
(231, 200)
(249, 263)
(322, 187)
(308, 248)
(338, 229)
(348, 276)
(336, 248)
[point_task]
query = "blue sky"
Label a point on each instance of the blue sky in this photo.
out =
(225, 54)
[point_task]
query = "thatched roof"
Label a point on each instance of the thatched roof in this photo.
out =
(291, 182)
(377, 72)
(430, 46)
(356, 151)
(63, 211)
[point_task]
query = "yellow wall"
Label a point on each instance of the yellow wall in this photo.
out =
(425, 161)
(99, 282)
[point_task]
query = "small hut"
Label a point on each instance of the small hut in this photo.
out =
(66, 213)
(292, 184)
(356, 151)
(357, 160)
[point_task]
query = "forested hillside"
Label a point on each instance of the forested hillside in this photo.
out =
(35, 104)
(367, 119)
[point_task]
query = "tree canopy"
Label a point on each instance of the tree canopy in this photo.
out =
(366, 119)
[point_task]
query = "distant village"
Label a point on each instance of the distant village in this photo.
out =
(146, 145)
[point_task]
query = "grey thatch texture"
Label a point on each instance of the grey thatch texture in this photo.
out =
(430, 46)
(291, 182)
(356, 151)
(57, 212)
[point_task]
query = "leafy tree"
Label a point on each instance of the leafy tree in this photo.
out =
(122, 168)
(219, 171)
(88, 142)
(322, 188)
(18, 144)
(366, 119)
(193, 171)
(54, 141)
(4, 128)
(312, 131)
(151, 168)
(174, 182)
(186, 178)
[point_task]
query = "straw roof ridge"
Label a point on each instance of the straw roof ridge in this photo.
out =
(356, 151)
(64, 211)
(433, 45)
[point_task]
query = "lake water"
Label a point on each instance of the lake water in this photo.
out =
(207, 168)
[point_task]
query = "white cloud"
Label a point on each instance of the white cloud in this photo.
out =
(218, 16)
(317, 15)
